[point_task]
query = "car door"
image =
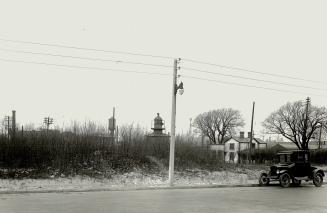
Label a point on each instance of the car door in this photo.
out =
(302, 165)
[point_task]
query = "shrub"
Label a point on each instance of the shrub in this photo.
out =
(86, 150)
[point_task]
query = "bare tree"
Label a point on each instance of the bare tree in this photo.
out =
(297, 122)
(219, 124)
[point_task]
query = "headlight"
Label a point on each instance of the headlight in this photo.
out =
(277, 171)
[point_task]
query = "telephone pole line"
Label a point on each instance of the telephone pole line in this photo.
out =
(112, 126)
(173, 121)
(251, 136)
(48, 121)
(305, 126)
(13, 123)
(7, 126)
(319, 142)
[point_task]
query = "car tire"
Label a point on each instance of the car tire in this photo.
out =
(285, 180)
(296, 182)
(318, 179)
(263, 180)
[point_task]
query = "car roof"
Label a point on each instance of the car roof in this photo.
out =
(292, 151)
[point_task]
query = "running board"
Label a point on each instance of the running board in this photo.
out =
(302, 178)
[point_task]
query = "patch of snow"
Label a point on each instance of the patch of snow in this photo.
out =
(128, 180)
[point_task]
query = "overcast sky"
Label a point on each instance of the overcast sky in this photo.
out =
(278, 37)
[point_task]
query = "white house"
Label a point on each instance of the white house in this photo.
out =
(234, 145)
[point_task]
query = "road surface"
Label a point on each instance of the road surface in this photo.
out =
(234, 199)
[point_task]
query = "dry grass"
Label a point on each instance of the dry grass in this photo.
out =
(86, 151)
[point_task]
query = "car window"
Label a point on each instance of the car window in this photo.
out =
(306, 157)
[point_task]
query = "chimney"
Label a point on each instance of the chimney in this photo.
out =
(249, 134)
(241, 134)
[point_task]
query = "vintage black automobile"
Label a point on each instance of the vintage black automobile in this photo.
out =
(292, 167)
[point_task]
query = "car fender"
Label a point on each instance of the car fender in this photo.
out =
(264, 173)
(284, 171)
(318, 171)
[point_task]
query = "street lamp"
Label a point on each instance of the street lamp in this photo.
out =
(180, 88)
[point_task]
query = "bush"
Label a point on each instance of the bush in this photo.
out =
(89, 152)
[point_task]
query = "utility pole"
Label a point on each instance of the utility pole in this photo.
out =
(117, 134)
(305, 126)
(13, 124)
(7, 125)
(251, 136)
(319, 143)
(112, 126)
(48, 121)
(173, 122)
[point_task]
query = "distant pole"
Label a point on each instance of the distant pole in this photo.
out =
(113, 129)
(48, 121)
(13, 124)
(304, 139)
(173, 126)
(7, 126)
(112, 126)
(117, 134)
(251, 136)
(319, 143)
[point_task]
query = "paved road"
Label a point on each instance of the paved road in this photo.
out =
(241, 199)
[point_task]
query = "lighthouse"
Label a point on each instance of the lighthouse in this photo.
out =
(158, 130)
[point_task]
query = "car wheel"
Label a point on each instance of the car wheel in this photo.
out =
(296, 182)
(285, 180)
(263, 180)
(318, 179)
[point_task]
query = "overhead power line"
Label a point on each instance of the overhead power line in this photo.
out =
(247, 85)
(154, 73)
(252, 71)
(163, 57)
(83, 67)
(85, 58)
(252, 79)
(84, 48)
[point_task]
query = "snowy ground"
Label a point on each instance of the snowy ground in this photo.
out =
(127, 181)
(134, 180)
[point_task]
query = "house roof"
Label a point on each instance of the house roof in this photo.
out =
(291, 145)
(286, 145)
(292, 151)
(260, 141)
(247, 140)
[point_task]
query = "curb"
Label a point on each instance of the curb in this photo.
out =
(140, 188)
(130, 189)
